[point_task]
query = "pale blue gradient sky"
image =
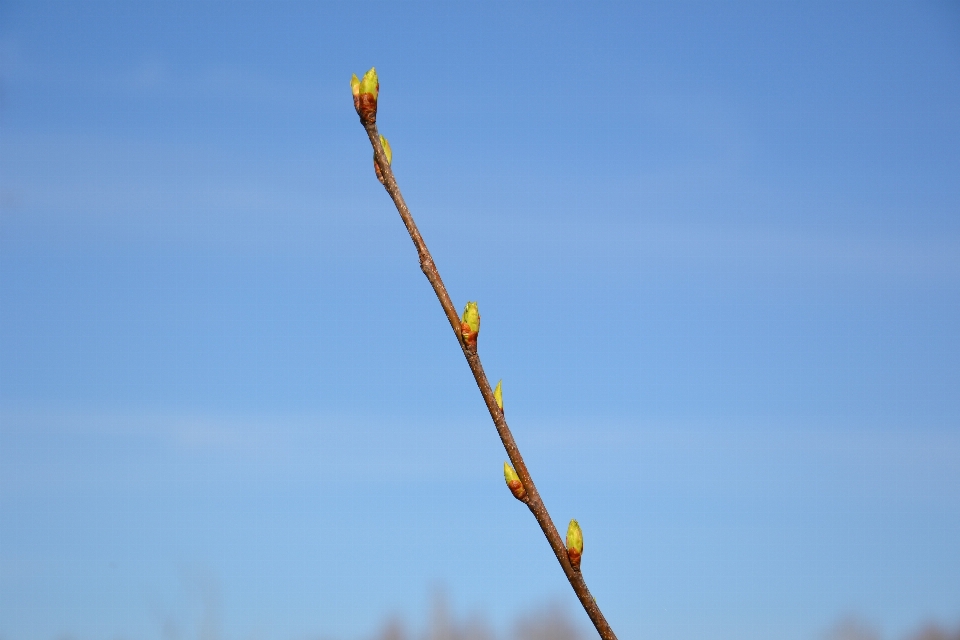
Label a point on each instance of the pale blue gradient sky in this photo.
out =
(716, 248)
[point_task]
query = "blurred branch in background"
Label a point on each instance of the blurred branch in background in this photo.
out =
(548, 623)
(854, 629)
(555, 623)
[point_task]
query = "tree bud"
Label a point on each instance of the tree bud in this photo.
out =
(498, 395)
(355, 88)
(367, 93)
(470, 325)
(574, 544)
(513, 482)
(387, 152)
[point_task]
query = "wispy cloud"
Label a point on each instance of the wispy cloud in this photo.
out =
(781, 452)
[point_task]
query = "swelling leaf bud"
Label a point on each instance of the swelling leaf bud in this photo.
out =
(470, 325)
(498, 395)
(355, 87)
(370, 83)
(368, 92)
(387, 152)
(513, 482)
(574, 544)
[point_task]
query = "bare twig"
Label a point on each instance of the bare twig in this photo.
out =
(429, 268)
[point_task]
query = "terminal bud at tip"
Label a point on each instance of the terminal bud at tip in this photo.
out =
(367, 92)
(355, 88)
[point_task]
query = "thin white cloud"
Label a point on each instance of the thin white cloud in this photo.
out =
(774, 450)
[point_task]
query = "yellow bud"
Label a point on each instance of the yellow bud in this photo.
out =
(355, 88)
(513, 482)
(470, 325)
(365, 93)
(387, 152)
(574, 544)
(498, 395)
(370, 83)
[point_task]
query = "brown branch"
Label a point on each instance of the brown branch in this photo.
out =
(532, 499)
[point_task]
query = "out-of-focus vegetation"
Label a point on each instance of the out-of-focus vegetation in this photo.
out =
(556, 623)
(856, 630)
(550, 623)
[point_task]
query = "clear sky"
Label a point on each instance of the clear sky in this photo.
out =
(717, 252)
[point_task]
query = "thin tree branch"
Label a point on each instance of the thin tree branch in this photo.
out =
(532, 499)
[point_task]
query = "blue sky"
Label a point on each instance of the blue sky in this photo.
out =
(716, 247)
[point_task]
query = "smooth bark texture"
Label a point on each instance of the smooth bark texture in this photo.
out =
(532, 500)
